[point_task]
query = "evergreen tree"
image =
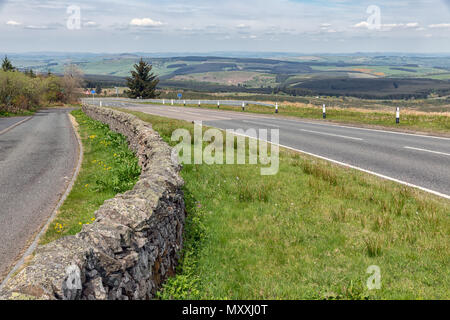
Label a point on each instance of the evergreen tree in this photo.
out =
(98, 89)
(30, 73)
(7, 65)
(142, 82)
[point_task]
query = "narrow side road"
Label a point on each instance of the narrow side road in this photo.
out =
(37, 160)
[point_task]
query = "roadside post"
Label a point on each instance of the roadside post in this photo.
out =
(397, 115)
(324, 111)
(101, 104)
(171, 102)
(218, 104)
(164, 101)
(199, 103)
(243, 106)
(93, 95)
(276, 107)
(184, 103)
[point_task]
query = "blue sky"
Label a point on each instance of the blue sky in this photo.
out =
(308, 26)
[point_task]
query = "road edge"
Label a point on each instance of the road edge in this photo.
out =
(29, 251)
(15, 125)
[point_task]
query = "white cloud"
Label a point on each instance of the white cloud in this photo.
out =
(90, 24)
(440, 25)
(13, 23)
(145, 22)
(362, 24)
(412, 25)
(387, 26)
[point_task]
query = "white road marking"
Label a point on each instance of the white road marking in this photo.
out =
(430, 151)
(365, 129)
(331, 134)
(261, 124)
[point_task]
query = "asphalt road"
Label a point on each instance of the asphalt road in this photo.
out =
(423, 161)
(37, 160)
(6, 123)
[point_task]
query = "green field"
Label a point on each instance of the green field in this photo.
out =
(309, 232)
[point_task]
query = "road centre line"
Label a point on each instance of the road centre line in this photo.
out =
(425, 150)
(331, 134)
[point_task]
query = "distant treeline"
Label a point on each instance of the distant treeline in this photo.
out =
(384, 88)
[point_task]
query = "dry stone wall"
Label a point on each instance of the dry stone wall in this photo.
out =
(134, 244)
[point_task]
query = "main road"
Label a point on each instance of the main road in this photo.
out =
(418, 160)
(37, 159)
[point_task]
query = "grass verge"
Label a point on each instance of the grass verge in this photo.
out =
(410, 120)
(6, 114)
(309, 232)
(108, 168)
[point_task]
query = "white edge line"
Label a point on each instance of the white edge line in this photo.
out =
(33, 246)
(354, 167)
(15, 125)
(430, 151)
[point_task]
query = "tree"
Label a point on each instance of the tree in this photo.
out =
(7, 65)
(30, 73)
(72, 83)
(98, 89)
(142, 82)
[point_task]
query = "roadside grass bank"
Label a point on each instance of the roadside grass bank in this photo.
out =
(30, 112)
(409, 120)
(309, 232)
(108, 168)
(6, 114)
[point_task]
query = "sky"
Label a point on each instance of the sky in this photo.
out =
(300, 26)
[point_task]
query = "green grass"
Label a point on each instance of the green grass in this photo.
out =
(309, 232)
(6, 114)
(432, 123)
(108, 168)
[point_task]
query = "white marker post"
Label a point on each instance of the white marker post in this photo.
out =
(243, 106)
(184, 103)
(324, 111)
(276, 107)
(199, 103)
(218, 104)
(101, 105)
(397, 116)
(171, 102)
(164, 101)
